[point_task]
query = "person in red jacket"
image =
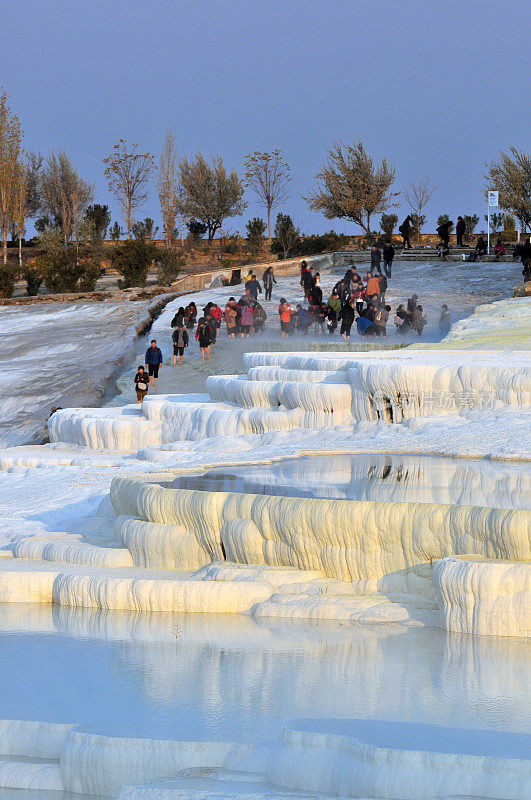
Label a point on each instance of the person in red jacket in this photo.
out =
(285, 312)
(216, 313)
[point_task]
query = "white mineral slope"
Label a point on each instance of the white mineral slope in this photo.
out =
(349, 764)
(388, 386)
(483, 596)
(375, 545)
(368, 758)
(60, 354)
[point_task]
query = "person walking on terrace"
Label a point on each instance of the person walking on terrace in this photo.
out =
(254, 287)
(180, 341)
(388, 255)
(376, 259)
(141, 383)
(153, 361)
(268, 279)
(203, 335)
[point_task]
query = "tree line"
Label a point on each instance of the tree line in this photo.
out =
(200, 195)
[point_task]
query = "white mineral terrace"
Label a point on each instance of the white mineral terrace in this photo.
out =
(343, 388)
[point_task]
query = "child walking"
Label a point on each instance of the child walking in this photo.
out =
(141, 384)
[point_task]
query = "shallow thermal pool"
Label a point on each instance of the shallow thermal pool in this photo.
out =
(215, 678)
(394, 478)
(234, 678)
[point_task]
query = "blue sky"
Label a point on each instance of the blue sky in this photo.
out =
(436, 87)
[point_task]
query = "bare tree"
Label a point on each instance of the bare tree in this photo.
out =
(27, 196)
(10, 167)
(127, 172)
(511, 176)
(20, 208)
(350, 186)
(418, 195)
(208, 193)
(65, 195)
(168, 188)
(268, 175)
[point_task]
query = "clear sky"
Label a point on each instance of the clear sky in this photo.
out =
(436, 87)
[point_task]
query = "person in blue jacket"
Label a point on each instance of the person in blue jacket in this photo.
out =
(153, 361)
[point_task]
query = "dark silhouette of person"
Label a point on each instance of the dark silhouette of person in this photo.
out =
(405, 230)
(443, 231)
(525, 255)
(481, 247)
(460, 230)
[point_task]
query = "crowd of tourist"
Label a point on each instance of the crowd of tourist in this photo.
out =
(354, 300)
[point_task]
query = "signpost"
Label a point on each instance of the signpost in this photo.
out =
(492, 202)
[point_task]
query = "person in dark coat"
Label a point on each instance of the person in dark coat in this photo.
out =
(268, 279)
(254, 287)
(153, 361)
(331, 318)
(178, 318)
(341, 289)
(481, 247)
(443, 232)
(190, 315)
(141, 384)
(315, 297)
(460, 230)
(347, 315)
(402, 320)
(388, 255)
(203, 335)
(376, 259)
(307, 281)
(405, 231)
(259, 317)
(303, 319)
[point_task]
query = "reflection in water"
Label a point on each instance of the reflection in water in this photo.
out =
(210, 676)
(394, 478)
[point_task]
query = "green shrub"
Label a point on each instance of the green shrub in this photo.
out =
(132, 259)
(388, 223)
(59, 270)
(7, 280)
(197, 230)
(232, 243)
(256, 229)
(89, 272)
(287, 236)
(321, 243)
(169, 265)
(33, 280)
(67, 270)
